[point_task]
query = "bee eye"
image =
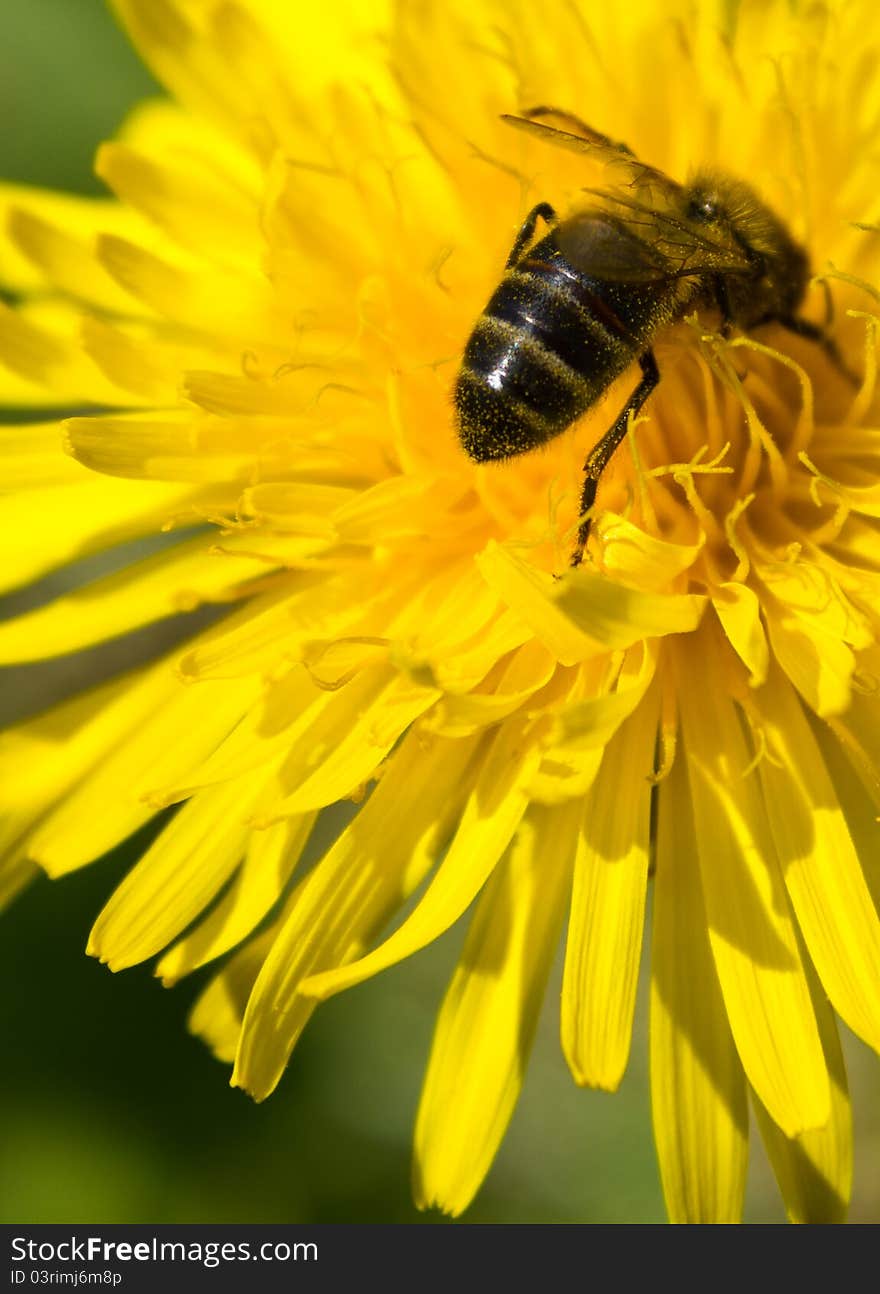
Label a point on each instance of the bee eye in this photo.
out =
(703, 209)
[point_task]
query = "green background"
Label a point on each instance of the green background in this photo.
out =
(111, 1112)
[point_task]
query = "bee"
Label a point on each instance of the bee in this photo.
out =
(579, 305)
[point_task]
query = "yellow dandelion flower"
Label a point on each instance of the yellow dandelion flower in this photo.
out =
(262, 331)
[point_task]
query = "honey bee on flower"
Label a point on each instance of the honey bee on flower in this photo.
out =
(277, 333)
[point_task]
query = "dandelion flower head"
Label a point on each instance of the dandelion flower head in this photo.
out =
(261, 331)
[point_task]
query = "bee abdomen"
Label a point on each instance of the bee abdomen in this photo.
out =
(537, 359)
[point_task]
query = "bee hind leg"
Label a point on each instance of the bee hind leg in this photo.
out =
(543, 211)
(601, 454)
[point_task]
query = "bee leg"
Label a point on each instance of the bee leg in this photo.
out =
(818, 334)
(543, 211)
(722, 296)
(601, 453)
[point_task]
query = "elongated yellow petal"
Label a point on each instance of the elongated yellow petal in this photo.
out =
(34, 458)
(218, 1011)
(167, 584)
(176, 878)
(487, 1022)
(608, 908)
(750, 925)
(198, 207)
(271, 856)
(698, 1092)
(584, 725)
(857, 804)
(739, 610)
(351, 895)
(67, 262)
(168, 36)
(821, 868)
(233, 305)
(40, 346)
(43, 758)
(46, 528)
(181, 726)
(820, 666)
(320, 771)
(144, 367)
(170, 447)
(814, 1170)
(586, 613)
(488, 822)
(80, 217)
(503, 691)
(637, 558)
(859, 732)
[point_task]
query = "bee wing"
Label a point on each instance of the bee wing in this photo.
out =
(641, 244)
(591, 142)
(686, 248)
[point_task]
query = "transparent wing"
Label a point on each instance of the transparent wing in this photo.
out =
(684, 246)
(586, 140)
(642, 233)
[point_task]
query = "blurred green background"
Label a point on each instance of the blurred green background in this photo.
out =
(111, 1112)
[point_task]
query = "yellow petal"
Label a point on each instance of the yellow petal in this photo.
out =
(40, 344)
(639, 559)
(321, 770)
(858, 805)
(608, 908)
(750, 926)
(181, 726)
(585, 613)
(531, 596)
(698, 1092)
(176, 878)
(488, 822)
(503, 691)
(171, 447)
(43, 758)
(820, 667)
(820, 865)
(230, 305)
(219, 1009)
(814, 1170)
(487, 1022)
(739, 610)
(585, 724)
(858, 728)
(169, 583)
(131, 356)
(197, 205)
(170, 38)
(69, 263)
(33, 458)
(351, 895)
(265, 733)
(80, 217)
(46, 528)
(272, 855)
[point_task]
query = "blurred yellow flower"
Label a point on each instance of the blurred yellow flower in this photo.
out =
(264, 328)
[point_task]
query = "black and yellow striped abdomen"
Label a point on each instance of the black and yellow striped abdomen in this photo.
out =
(548, 344)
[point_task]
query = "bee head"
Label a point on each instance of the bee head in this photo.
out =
(702, 207)
(730, 213)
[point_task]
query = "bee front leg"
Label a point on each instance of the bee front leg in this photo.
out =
(722, 296)
(543, 211)
(601, 454)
